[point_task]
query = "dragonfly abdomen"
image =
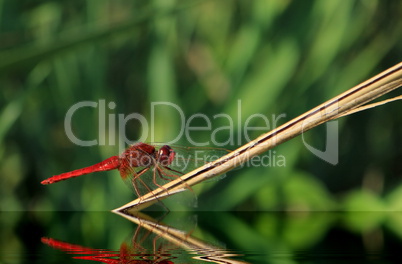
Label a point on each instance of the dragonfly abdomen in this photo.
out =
(108, 164)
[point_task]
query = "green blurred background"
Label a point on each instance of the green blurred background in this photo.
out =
(275, 56)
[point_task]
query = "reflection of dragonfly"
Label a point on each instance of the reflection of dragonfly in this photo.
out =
(106, 256)
(152, 242)
(142, 165)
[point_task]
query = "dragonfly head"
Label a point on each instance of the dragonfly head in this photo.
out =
(165, 155)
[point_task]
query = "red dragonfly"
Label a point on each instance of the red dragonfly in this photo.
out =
(142, 163)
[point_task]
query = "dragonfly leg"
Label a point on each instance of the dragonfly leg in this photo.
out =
(135, 180)
(156, 171)
(171, 176)
(179, 172)
(175, 176)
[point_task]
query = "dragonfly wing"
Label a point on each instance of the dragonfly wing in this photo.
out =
(191, 158)
(143, 180)
(133, 178)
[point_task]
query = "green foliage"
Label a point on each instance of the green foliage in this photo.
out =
(275, 56)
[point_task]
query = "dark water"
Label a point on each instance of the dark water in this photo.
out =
(184, 237)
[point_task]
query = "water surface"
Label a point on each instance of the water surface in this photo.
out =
(191, 237)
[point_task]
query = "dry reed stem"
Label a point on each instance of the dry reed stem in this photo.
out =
(341, 105)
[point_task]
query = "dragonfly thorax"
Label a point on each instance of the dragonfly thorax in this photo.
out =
(139, 155)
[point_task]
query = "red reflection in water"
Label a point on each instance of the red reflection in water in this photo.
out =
(107, 256)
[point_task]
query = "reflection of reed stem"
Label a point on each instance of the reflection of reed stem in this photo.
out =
(341, 105)
(181, 238)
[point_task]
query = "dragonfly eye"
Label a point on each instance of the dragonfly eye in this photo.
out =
(165, 155)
